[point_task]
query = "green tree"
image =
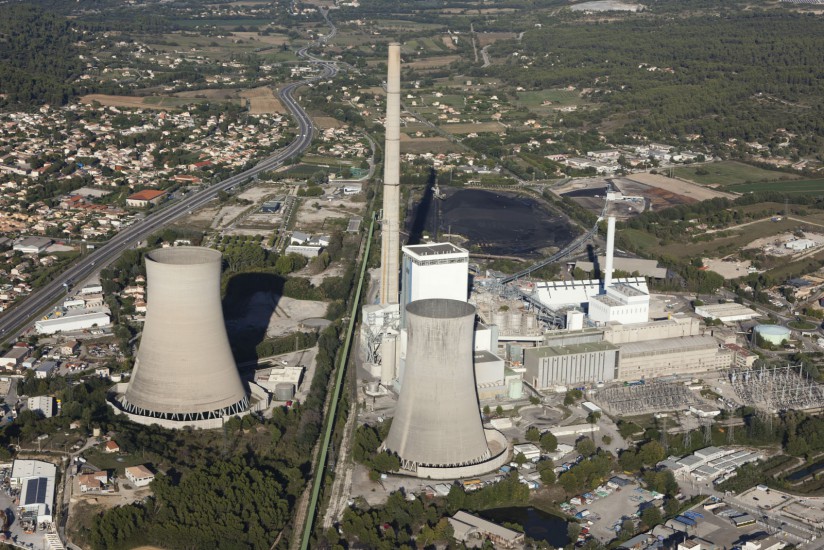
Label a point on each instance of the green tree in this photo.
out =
(651, 516)
(533, 434)
(585, 446)
(549, 442)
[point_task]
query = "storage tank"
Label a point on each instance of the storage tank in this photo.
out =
(389, 355)
(516, 389)
(515, 321)
(437, 422)
(772, 334)
(500, 319)
(284, 391)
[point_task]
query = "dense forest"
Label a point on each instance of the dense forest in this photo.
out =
(739, 76)
(39, 55)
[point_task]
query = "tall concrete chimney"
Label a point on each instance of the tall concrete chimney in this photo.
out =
(390, 229)
(610, 252)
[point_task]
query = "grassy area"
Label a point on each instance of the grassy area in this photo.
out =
(796, 187)
(730, 173)
(641, 239)
(557, 97)
(802, 325)
(113, 461)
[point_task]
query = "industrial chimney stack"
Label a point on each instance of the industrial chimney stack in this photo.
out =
(390, 229)
(610, 252)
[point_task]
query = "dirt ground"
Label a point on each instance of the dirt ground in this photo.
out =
(286, 317)
(120, 101)
(262, 100)
(448, 43)
(271, 40)
(426, 145)
(311, 219)
(469, 127)
(678, 186)
(324, 122)
(433, 62)
(486, 38)
(729, 268)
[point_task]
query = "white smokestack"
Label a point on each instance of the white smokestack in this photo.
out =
(390, 229)
(610, 252)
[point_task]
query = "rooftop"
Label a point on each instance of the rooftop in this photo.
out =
(433, 249)
(553, 351)
(483, 356)
(669, 345)
(146, 195)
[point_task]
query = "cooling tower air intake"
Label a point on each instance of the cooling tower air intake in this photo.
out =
(184, 370)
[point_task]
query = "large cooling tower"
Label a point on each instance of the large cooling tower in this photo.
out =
(437, 422)
(184, 369)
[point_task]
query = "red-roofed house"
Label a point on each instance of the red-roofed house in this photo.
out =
(144, 198)
(112, 447)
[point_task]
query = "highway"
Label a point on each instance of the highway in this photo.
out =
(16, 319)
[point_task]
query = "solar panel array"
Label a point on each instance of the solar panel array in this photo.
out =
(36, 490)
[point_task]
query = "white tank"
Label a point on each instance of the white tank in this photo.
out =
(389, 355)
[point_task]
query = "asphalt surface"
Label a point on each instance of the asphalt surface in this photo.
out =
(15, 320)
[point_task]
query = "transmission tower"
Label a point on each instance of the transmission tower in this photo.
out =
(730, 434)
(687, 440)
(707, 433)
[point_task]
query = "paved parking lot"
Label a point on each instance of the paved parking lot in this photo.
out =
(613, 509)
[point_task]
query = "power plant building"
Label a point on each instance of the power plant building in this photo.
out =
(437, 430)
(569, 365)
(672, 356)
(185, 374)
(625, 352)
(436, 270)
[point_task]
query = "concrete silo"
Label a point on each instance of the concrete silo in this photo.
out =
(185, 372)
(437, 430)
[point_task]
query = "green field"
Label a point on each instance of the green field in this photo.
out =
(557, 97)
(729, 173)
(795, 187)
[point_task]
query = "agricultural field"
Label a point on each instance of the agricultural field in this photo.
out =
(557, 98)
(792, 187)
(135, 102)
(730, 173)
(478, 127)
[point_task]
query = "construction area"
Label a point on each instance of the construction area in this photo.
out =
(779, 388)
(646, 398)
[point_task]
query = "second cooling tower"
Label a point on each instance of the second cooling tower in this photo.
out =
(184, 371)
(437, 422)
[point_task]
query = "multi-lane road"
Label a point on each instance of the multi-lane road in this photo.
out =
(15, 320)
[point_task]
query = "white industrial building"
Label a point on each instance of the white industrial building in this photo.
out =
(726, 313)
(672, 356)
(304, 250)
(35, 479)
(623, 300)
(435, 270)
(570, 365)
(140, 476)
(800, 244)
(711, 463)
(43, 404)
(32, 245)
(69, 323)
(625, 352)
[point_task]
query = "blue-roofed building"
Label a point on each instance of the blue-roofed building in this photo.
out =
(36, 479)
